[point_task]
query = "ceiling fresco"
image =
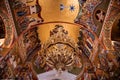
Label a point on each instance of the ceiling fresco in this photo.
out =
(60, 39)
(59, 51)
(78, 11)
(81, 11)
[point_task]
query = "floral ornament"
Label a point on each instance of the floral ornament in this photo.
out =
(72, 8)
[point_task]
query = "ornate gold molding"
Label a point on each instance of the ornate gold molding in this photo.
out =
(60, 51)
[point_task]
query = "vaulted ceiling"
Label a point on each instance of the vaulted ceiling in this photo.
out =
(75, 35)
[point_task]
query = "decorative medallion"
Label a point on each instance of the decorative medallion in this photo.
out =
(100, 15)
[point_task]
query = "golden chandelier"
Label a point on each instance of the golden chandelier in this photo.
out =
(60, 51)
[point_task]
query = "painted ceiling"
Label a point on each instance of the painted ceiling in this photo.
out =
(77, 38)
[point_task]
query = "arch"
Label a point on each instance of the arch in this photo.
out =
(115, 34)
(2, 31)
(108, 30)
(8, 28)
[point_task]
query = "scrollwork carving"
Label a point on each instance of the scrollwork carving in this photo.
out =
(60, 51)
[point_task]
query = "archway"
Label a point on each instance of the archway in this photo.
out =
(2, 32)
(115, 32)
(8, 29)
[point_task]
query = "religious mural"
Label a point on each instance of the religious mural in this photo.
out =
(60, 39)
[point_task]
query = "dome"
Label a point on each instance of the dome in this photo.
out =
(59, 10)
